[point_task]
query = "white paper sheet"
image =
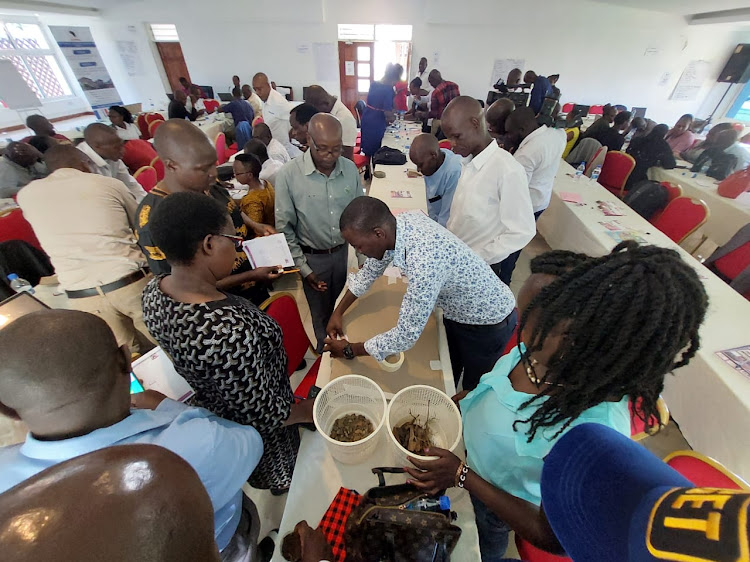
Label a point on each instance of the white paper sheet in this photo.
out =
(156, 372)
(502, 67)
(268, 251)
(691, 81)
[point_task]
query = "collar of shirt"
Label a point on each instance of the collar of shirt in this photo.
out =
(483, 157)
(275, 99)
(540, 131)
(308, 166)
(91, 153)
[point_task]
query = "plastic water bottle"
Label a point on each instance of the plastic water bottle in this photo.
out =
(443, 503)
(580, 169)
(596, 172)
(705, 167)
(20, 285)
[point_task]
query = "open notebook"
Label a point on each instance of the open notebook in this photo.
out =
(269, 251)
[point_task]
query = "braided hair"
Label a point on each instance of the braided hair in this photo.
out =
(630, 318)
(557, 262)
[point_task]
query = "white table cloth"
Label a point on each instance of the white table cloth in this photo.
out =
(726, 216)
(709, 400)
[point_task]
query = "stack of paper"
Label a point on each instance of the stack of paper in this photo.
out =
(269, 251)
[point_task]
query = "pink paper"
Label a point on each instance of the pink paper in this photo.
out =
(571, 197)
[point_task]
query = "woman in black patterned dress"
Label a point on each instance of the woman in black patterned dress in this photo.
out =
(229, 351)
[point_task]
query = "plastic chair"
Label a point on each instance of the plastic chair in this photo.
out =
(682, 217)
(567, 108)
(616, 170)
(138, 153)
(597, 160)
(143, 126)
(146, 176)
(222, 155)
(158, 165)
(154, 125)
(360, 160)
(152, 117)
(704, 471)
(638, 428)
(445, 143)
(530, 553)
(596, 110)
(211, 105)
(673, 189)
(257, 120)
(282, 307)
(14, 226)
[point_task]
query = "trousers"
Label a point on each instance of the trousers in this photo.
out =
(493, 533)
(331, 269)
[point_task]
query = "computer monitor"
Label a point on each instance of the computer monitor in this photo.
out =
(639, 112)
(18, 305)
(520, 99)
(581, 110)
(225, 97)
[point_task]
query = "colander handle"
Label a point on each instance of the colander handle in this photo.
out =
(381, 470)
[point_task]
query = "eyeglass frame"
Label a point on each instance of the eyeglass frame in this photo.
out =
(238, 240)
(336, 152)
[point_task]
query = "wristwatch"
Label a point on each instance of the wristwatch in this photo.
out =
(348, 351)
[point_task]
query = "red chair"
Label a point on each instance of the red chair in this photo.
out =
(616, 170)
(360, 160)
(222, 151)
(681, 218)
(13, 226)
(673, 192)
(568, 107)
(138, 153)
(146, 176)
(211, 105)
(596, 110)
(154, 125)
(158, 165)
(445, 143)
(530, 553)
(704, 471)
(257, 120)
(596, 160)
(143, 126)
(152, 117)
(638, 428)
(282, 307)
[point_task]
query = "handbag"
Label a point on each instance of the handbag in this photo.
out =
(720, 164)
(389, 156)
(381, 529)
(735, 185)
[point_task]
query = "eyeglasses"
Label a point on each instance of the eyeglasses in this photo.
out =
(238, 240)
(334, 151)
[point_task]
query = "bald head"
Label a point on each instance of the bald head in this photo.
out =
(262, 132)
(180, 96)
(324, 126)
(40, 125)
(520, 124)
(425, 153)
(324, 139)
(66, 156)
(104, 141)
(262, 86)
(496, 115)
(181, 141)
(464, 125)
(319, 98)
(514, 77)
(130, 502)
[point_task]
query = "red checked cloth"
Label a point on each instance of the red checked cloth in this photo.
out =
(334, 520)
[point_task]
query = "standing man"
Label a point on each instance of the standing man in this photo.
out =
(276, 110)
(252, 98)
(235, 83)
(178, 107)
(441, 169)
(540, 90)
(444, 91)
(478, 310)
(311, 193)
(85, 222)
(491, 208)
(319, 98)
(539, 151)
(496, 116)
(19, 164)
(424, 74)
(105, 149)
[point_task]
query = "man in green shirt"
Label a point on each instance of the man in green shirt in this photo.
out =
(311, 193)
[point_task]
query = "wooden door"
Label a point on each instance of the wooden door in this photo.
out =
(360, 56)
(174, 63)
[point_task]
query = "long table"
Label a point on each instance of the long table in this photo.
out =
(317, 475)
(726, 216)
(709, 400)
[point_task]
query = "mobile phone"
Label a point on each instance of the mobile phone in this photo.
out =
(135, 385)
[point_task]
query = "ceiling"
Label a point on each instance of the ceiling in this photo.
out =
(680, 7)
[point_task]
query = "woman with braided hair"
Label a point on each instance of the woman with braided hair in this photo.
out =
(596, 333)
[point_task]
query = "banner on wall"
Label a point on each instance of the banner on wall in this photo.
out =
(77, 44)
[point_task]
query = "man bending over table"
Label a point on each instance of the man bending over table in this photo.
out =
(478, 309)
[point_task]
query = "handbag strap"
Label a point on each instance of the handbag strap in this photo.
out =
(380, 472)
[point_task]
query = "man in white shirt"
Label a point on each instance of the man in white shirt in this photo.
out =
(276, 150)
(105, 149)
(321, 100)
(276, 110)
(539, 151)
(423, 74)
(491, 209)
(84, 221)
(252, 98)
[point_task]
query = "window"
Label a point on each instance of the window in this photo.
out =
(164, 32)
(740, 109)
(25, 45)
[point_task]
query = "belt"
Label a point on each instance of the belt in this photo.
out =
(309, 250)
(109, 287)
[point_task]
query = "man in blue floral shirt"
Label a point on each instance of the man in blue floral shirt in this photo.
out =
(478, 308)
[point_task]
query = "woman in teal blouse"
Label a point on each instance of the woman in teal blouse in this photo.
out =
(594, 334)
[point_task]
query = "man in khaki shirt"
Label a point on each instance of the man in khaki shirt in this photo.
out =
(84, 222)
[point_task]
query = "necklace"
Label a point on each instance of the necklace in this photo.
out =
(533, 378)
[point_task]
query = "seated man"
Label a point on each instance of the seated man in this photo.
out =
(167, 517)
(238, 108)
(319, 98)
(276, 150)
(604, 122)
(19, 164)
(270, 166)
(105, 149)
(614, 137)
(178, 107)
(539, 151)
(195, 102)
(496, 116)
(64, 376)
(479, 314)
(43, 128)
(252, 98)
(641, 127)
(85, 223)
(299, 118)
(441, 169)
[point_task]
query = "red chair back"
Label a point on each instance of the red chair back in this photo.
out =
(530, 553)
(673, 190)
(221, 149)
(735, 262)
(681, 218)
(616, 170)
(596, 160)
(13, 226)
(154, 126)
(704, 471)
(445, 143)
(211, 105)
(283, 308)
(137, 154)
(146, 176)
(152, 117)
(596, 110)
(568, 107)
(143, 126)
(158, 165)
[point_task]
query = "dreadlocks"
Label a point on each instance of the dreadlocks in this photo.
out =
(632, 316)
(557, 262)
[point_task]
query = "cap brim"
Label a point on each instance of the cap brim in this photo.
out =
(592, 483)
